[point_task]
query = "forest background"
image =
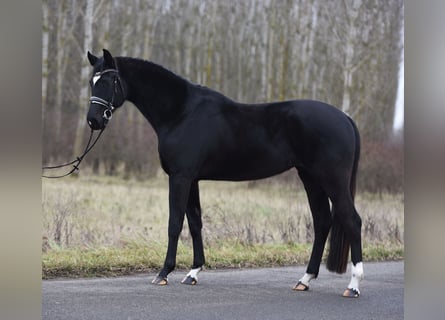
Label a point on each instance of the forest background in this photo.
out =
(348, 53)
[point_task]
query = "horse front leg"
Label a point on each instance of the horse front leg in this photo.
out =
(194, 219)
(179, 189)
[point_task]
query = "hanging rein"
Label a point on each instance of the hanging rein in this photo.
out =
(107, 115)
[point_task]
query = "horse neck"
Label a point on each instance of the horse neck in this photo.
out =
(158, 93)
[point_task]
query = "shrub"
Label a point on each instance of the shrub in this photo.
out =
(381, 167)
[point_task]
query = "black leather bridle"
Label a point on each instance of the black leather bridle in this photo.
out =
(107, 115)
(109, 105)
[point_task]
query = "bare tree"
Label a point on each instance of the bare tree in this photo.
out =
(85, 73)
(45, 51)
(346, 53)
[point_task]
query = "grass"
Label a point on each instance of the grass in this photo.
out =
(138, 258)
(101, 226)
(95, 262)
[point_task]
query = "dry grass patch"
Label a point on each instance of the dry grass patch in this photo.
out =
(103, 225)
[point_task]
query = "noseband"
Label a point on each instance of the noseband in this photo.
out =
(109, 105)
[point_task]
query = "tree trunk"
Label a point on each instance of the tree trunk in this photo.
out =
(85, 73)
(61, 67)
(351, 38)
(45, 43)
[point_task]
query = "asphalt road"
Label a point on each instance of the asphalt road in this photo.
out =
(229, 294)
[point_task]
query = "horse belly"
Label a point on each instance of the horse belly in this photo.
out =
(246, 164)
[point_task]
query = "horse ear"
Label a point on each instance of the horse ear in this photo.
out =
(92, 58)
(109, 61)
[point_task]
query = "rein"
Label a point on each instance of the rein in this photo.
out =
(75, 163)
(107, 115)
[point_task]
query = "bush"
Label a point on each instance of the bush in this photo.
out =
(381, 167)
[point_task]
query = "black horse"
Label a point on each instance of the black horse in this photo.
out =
(204, 135)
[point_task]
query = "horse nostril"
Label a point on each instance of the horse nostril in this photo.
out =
(93, 124)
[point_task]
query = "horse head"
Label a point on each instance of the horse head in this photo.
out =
(107, 90)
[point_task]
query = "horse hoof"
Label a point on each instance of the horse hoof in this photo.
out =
(351, 293)
(300, 287)
(189, 280)
(160, 281)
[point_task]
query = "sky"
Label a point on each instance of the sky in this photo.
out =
(399, 111)
(400, 100)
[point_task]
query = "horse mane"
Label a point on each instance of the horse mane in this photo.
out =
(151, 70)
(156, 84)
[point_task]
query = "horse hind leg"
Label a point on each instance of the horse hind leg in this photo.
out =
(347, 225)
(321, 214)
(357, 273)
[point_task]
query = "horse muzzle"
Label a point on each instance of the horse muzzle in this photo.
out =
(98, 116)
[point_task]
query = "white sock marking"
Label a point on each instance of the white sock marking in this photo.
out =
(306, 278)
(356, 276)
(194, 273)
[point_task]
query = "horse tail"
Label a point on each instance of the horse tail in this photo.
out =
(339, 243)
(356, 159)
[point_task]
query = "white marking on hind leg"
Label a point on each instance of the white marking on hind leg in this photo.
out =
(356, 276)
(194, 273)
(306, 278)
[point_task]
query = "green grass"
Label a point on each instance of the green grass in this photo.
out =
(137, 258)
(101, 226)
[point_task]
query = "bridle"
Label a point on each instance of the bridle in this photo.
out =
(107, 115)
(76, 162)
(109, 105)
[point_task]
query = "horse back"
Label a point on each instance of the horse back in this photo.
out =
(220, 139)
